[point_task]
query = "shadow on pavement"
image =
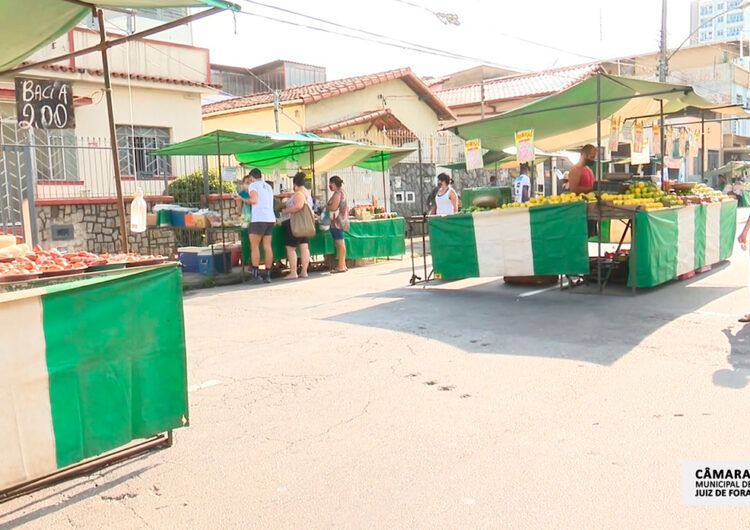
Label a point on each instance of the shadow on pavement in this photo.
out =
(739, 359)
(88, 492)
(488, 317)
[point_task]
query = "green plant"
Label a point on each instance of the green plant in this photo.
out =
(187, 189)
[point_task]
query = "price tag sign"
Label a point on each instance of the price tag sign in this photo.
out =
(44, 103)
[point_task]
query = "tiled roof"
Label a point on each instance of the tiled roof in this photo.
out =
(535, 84)
(319, 91)
(380, 118)
(124, 75)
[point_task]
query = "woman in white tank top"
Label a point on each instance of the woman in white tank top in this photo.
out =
(446, 200)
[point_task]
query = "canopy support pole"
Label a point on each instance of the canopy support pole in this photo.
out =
(312, 168)
(99, 14)
(703, 147)
(663, 140)
(221, 195)
(599, 180)
(385, 191)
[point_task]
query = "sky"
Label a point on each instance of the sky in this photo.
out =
(525, 35)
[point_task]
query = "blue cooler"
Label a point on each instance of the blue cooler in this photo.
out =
(211, 263)
(188, 256)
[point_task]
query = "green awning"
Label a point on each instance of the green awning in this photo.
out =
(27, 25)
(270, 150)
(568, 118)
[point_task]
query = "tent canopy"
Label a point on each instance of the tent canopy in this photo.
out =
(270, 150)
(568, 118)
(730, 167)
(27, 25)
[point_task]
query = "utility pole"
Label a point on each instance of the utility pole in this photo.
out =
(276, 105)
(663, 44)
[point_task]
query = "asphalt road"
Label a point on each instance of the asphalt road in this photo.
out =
(355, 401)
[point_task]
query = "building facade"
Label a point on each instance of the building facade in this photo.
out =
(276, 75)
(717, 21)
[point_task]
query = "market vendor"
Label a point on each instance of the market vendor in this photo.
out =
(522, 185)
(581, 175)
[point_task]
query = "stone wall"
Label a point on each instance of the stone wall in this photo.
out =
(95, 227)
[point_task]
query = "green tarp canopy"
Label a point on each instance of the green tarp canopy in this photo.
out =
(731, 167)
(569, 118)
(27, 25)
(270, 150)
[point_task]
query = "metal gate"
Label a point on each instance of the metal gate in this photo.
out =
(17, 214)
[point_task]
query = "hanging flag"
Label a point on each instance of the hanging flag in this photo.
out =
(525, 146)
(682, 139)
(638, 135)
(656, 138)
(614, 134)
(640, 155)
(473, 153)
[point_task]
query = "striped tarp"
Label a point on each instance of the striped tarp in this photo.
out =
(88, 366)
(548, 239)
(676, 241)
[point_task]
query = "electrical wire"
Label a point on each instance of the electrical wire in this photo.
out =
(397, 43)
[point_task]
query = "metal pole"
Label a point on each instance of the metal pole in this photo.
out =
(703, 147)
(312, 167)
(599, 180)
(386, 197)
(662, 139)
(112, 131)
(221, 196)
(206, 188)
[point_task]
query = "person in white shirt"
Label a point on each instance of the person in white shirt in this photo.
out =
(522, 184)
(446, 198)
(261, 224)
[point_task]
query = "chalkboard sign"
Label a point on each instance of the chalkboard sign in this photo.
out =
(44, 103)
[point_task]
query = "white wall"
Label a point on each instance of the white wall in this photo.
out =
(405, 104)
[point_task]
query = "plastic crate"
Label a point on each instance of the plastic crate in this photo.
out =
(178, 218)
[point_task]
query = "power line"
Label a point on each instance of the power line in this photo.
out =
(396, 43)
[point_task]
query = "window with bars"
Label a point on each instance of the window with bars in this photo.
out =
(133, 147)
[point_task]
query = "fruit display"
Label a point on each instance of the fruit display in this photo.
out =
(26, 263)
(703, 193)
(644, 195)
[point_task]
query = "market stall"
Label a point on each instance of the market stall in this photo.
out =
(504, 195)
(74, 388)
(577, 116)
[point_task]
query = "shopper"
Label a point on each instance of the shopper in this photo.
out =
(522, 185)
(261, 225)
(339, 220)
(581, 175)
(295, 203)
(446, 199)
(244, 210)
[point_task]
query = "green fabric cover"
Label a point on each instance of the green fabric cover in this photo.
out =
(364, 239)
(453, 247)
(27, 25)
(745, 198)
(728, 228)
(502, 193)
(656, 235)
(655, 247)
(117, 370)
(558, 238)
